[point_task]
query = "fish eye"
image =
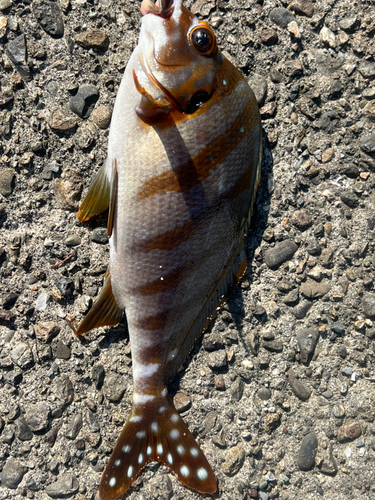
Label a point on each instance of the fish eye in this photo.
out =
(203, 40)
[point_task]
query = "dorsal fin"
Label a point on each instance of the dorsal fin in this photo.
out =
(104, 312)
(155, 431)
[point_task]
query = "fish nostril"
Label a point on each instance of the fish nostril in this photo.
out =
(198, 99)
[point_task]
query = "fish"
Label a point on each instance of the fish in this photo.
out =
(179, 182)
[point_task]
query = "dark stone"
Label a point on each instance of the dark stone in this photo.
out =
(307, 452)
(65, 486)
(213, 342)
(268, 36)
(100, 235)
(367, 144)
(24, 431)
(368, 305)
(61, 350)
(300, 390)
(313, 247)
(48, 15)
(7, 177)
(9, 300)
(97, 375)
(74, 427)
(338, 328)
(264, 393)
(93, 421)
(280, 253)
(307, 340)
(65, 285)
(282, 17)
(292, 297)
(237, 389)
(349, 198)
(17, 53)
(258, 85)
(12, 474)
(83, 103)
(37, 417)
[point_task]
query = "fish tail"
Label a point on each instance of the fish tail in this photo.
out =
(155, 431)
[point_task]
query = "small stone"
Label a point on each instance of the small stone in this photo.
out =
(61, 351)
(327, 37)
(268, 110)
(273, 345)
(234, 460)
(101, 116)
(73, 240)
(48, 15)
(7, 177)
(7, 437)
(264, 393)
(93, 39)
(74, 427)
(302, 7)
(338, 411)
(281, 17)
(65, 486)
(182, 401)
(307, 339)
(301, 219)
(313, 290)
(302, 309)
(115, 386)
(65, 286)
(349, 198)
(327, 155)
(202, 7)
(326, 257)
(294, 30)
(161, 488)
(348, 23)
(12, 474)
(368, 305)
(237, 389)
(24, 431)
(64, 390)
(61, 122)
(22, 356)
(258, 85)
(97, 375)
(17, 53)
(291, 298)
(69, 189)
(100, 235)
(349, 431)
(293, 68)
(9, 300)
(307, 452)
(347, 371)
(5, 4)
(299, 389)
(217, 360)
(280, 253)
(213, 342)
(83, 103)
(37, 416)
(367, 69)
(268, 36)
(367, 144)
(272, 422)
(46, 331)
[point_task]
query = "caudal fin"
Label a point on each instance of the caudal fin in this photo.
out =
(155, 432)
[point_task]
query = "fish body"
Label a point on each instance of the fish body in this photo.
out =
(180, 180)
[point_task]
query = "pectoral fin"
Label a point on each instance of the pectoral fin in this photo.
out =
(97, 199)
(104, 312)
(149, 109)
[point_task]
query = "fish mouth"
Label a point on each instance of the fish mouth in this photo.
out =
(161, 8)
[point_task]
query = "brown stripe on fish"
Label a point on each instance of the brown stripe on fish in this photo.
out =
(197, 169)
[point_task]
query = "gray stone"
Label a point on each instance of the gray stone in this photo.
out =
(367, 69)
(64, 389)
(258, 85)
(48, 15)
(92, 421)
(367, 144)
(237, 389)
(273, 345)
(264, 393)
(307, 340)
(65, 486)
(347, 371)
(292, 297)
(100, 235)
(8, 435)
(302, 309)
(281, 17)
(74, 427)
(5, 4)
(17, 53)
(348, 23)
(7, 177)
(65, 286)
(313, 290)
(349, 198)
(83, 103)
(300, 390)
(307, 452)
(161, 488)
(368, 305)
(12, 474)
(61, 350)
(9, 300)
(24, 431)
(115, 386)
(97, 375)
(302, 7)
(73, 240)
(234, 460)
(22, 356)
(37, 417)
(280, 253)
(217, 360)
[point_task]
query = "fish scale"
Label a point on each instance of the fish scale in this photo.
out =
(180, 180)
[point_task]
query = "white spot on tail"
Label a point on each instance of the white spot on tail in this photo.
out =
(162, 409)
(175, 418)
(141, 434)
(170, 459)
(159, 448)
(164, 392)
(126, 448)
(154, 427)
(174, 434)
(140, 399)
(149, 450)
(194, 452)
(202, 473)
(224, 82)
(135, 419)
(242, 130)
(140, 458)
(112, 482)
(180, 449)
(130, 471)
(184, 471)
(172, 354)
(140, 370)
(117, 463)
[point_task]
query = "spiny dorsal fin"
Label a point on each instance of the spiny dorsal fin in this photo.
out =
(97, 199)
(155, 431)
(104, 312)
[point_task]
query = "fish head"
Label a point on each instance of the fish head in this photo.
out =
(178, 57)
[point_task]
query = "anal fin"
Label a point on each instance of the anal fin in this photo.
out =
(104, 312)
(97, 199)
(155, 431)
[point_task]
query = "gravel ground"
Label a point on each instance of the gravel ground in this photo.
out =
(280, 391)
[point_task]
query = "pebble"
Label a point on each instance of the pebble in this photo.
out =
(273, 345)
(282, 17)
(259, 86)
(349, 198)
(7, 436)
(93, 39)
(83, 102)
(17, 53)
(213, 342)
(217, 360)
(302, 7)
(367, 69)
(22, 356)
(101, 116)
(237, 389)
(100, 235)
(7, 177)
(61, 122)
(181, 401)
(307, 452)
(268, 36)
(46, 331)
(368, 305)
(61, 350)
(367, 144)
(300, 390)
(74, 426)
(97, 375)
(92, 421)
(115, 386)
(64, 390)
(338, 411)
(302, 309)
(12, 473)
(307, 339)
(272, 422)
(347, 371)
(5, 4)
(348, 23)
(327, 37)
(73, 240)
(48, 15)
(301, 219)
(313, 290)
(24, 431)
(37, 416)
(264, 393)
(349, 431)
(280, 253)
(65, 286)
(64, 487)
(161, 488)
(234, 460)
